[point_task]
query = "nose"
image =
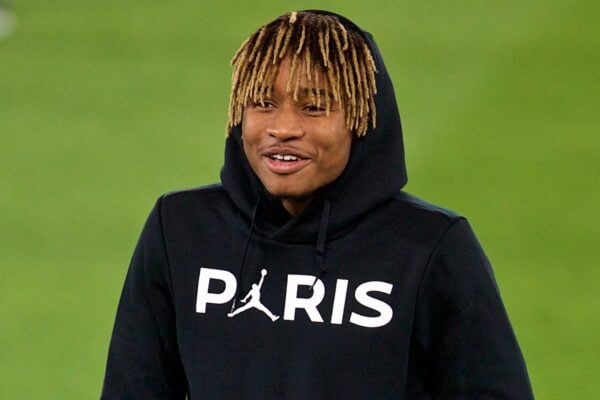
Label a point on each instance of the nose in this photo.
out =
(286, 124)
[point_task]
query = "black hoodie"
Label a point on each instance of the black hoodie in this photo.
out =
(368, 293)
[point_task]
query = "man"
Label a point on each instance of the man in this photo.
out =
(370, 294)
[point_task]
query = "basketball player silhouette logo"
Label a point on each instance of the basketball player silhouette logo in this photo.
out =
(254, 296)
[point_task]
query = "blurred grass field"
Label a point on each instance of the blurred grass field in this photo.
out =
(106, 105)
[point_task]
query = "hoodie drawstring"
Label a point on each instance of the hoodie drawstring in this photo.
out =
(243, 262)
(319, 248)
(321, 239)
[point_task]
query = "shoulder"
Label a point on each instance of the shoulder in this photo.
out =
(408, 219)
(420, 221)
(193, 197)
(412, 210)
(455, 242)
(193, 194)
(193, 203)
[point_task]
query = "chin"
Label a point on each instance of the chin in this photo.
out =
(292, 194)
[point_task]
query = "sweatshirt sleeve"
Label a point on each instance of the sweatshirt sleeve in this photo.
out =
(463, 344)
(143, 359)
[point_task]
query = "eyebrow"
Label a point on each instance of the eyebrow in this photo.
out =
(303, 93)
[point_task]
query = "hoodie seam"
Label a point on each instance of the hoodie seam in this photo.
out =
(159, 331)
(434, 252)
(164, 246)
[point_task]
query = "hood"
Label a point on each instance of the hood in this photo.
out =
(375, 172)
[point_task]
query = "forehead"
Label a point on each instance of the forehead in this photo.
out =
(306, 53)
(291, 79)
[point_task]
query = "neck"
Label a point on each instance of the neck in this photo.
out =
(294, 206)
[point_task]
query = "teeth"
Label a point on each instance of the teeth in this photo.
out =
(285, 157)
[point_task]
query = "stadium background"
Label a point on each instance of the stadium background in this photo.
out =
(106, 105)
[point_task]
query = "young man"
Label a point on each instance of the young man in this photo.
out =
(364, 291)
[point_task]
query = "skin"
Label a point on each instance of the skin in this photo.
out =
(317, 144)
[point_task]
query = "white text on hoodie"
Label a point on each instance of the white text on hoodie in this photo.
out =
(308, 304)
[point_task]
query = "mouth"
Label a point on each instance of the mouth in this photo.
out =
(284, 157)
(285, 163)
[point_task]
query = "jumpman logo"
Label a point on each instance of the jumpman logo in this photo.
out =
(254, 295)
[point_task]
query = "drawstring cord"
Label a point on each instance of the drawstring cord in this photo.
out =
(243, 262)
(321, 239)
(319, 248)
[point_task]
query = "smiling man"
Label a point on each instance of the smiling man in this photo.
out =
(353, 288)
(294, 145)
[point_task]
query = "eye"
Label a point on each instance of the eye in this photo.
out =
(314, 109)
(264, 105)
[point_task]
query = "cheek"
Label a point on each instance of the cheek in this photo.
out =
(343, 155)
(249, 136)
(250, 126)
(246, 128)
(339, 150)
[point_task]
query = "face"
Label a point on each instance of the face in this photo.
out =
(294, 147)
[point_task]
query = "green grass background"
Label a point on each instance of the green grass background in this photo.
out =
(104, 105)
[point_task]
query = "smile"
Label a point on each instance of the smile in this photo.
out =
(279, 163)
(284, 157)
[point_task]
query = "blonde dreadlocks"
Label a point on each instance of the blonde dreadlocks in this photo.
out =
(336, 61)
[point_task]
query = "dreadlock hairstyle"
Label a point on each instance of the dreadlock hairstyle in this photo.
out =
(335, 59)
